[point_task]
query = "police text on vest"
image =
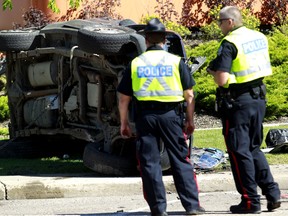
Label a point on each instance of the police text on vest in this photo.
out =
(154, 71)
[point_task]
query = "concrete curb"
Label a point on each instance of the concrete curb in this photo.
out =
(39, 187)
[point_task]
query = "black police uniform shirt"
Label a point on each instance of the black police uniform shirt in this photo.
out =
(125, 86)
(227, 52)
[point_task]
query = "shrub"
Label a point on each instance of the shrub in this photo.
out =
(205, 86)
(277, 84)
(277, 92)
(4, 109)
(278, 44)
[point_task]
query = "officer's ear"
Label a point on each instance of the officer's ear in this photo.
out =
(231, 23)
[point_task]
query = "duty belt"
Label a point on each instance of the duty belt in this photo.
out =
(225, 98)
(160, 106)
(254, 91)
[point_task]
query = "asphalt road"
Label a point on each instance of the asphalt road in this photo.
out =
(215, 203)
(64, 195)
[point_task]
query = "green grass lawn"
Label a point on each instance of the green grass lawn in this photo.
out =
(55, 165)
(36, 166)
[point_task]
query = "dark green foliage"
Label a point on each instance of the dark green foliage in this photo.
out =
(7, 4)
(4, 109)
(52, 5)
(278, 41)
(205, 86)
(277, 84)
(277, 92)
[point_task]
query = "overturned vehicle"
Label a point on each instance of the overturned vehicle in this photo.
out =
(62, 80)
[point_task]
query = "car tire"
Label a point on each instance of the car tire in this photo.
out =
(139, 41)
(17, 40)
(103, 40)
(107, 164)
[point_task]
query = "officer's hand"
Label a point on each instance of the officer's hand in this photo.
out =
(125, 131)
(189, 127)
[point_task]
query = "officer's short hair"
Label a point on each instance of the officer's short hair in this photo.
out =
(232, 12)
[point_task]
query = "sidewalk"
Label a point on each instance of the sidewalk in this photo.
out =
(42, 187)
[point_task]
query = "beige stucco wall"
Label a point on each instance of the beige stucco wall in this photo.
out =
(135, 9)
(132, 9)
(7, 17)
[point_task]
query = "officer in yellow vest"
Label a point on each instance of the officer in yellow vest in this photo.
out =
(159, 82)
(241, 64)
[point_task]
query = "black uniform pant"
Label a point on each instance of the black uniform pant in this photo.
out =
(243, 133)
(167, 125)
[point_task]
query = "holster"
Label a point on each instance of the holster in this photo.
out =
(258, 91)
(223, 99)
(181, 111)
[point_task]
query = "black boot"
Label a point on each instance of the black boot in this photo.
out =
(244, 209)
(271, 206)
(200, 210)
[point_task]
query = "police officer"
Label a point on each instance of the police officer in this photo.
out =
(241, 64)
(159, 82)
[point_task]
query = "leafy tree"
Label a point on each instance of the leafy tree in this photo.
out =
(165, 10)
(199, 16)
(93, 9)
(7, 4)
(34, 17)
(271, 11)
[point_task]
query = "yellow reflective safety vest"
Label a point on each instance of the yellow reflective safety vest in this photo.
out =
(155, 77)
(252, 60)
